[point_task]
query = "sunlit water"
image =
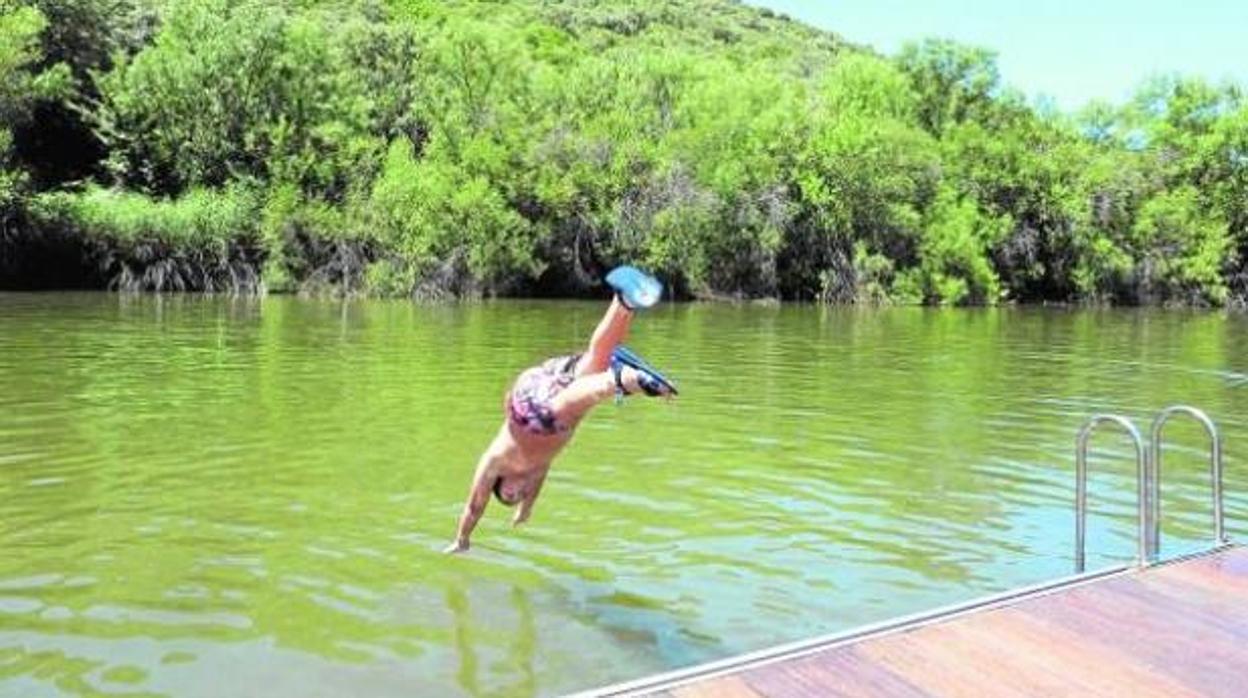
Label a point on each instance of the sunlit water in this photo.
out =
(214, 497)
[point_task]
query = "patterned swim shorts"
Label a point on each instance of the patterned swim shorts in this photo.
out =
(528, 404)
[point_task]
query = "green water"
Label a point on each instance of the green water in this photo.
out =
(214, 497)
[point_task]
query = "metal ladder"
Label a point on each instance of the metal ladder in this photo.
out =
(1148, 484)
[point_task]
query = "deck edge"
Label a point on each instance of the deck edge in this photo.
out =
(800, 648)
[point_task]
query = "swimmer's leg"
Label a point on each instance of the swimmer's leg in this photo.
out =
(633, 289)
(571, 404)
(574, 401)
(612, 330)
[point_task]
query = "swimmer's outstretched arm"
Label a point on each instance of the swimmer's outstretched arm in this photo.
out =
(478, 497)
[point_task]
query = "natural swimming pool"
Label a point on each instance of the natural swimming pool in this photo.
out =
(206, 496)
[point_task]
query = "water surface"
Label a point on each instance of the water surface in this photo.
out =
(206, 496)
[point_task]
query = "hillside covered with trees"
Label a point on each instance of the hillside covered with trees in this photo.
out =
(432, 149)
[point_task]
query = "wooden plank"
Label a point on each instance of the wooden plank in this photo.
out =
(1231, 561)
(1168, 641)
(1221, 607)
(1064, 653)
(724, 687)
(943, 665)
(1221, 576)
(1220, 610)
(840, 673)
(1152, 614)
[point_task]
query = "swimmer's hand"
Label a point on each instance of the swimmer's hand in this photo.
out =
(459, 546)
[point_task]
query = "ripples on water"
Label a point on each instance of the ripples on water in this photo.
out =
(235, 497)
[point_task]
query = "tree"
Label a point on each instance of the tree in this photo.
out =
(22, 84)
(297, 97)
(56, 145)
(954, 82)
(1179, 246)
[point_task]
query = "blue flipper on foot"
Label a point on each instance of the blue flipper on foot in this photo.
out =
(637, 289)
(651, 381)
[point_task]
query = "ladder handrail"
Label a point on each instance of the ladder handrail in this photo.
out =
(1081, 486)
(1154, 475)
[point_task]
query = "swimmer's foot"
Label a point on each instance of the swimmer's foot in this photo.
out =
(633, 374)
(636, 289)
(630, 381)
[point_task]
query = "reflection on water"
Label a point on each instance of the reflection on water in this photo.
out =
(239, 497)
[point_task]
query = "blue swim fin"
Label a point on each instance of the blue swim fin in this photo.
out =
(651, 380)
(637, 289)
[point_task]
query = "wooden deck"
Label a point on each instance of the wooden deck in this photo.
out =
(1178, 629)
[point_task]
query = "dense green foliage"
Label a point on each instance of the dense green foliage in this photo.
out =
(433, 148)
(22, 84)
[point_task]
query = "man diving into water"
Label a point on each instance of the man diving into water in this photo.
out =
(548, 401)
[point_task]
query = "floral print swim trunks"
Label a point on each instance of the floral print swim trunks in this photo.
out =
(528, 404)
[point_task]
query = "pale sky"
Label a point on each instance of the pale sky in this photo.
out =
(1070, 51)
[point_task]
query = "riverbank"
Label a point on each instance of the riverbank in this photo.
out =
(54, 261)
